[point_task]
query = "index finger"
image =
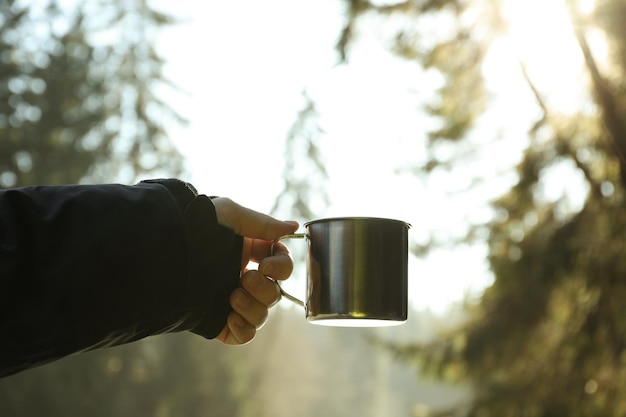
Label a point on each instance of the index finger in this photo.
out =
(249, 223)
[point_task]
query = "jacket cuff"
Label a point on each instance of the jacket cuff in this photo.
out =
(215, 261)
(214, 258)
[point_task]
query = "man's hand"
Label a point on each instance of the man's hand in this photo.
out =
(252, 300)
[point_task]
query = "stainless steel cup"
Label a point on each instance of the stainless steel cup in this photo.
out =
(357, 272)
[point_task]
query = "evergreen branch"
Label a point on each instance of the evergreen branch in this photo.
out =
(605, 99)
(564, 145)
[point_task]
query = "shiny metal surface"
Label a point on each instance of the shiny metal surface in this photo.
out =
(357, 270)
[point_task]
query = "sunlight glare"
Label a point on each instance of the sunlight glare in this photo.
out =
(587, 7)
(541, 37)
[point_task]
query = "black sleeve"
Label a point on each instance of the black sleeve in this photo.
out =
(89, 266)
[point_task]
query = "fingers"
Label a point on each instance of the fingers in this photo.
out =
(237, 331)
(250, 309)
(278, 267)
(259, 287)
(257, 293)
(250, 303)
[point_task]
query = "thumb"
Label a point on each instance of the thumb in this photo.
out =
(250, 223)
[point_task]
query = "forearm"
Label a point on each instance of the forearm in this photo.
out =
(91, 266)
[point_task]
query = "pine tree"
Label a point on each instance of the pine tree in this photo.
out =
(78, 94)
(547, 338)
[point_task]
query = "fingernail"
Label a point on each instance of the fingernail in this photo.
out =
(266, 269)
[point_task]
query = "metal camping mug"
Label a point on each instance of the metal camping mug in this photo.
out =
(357, 271)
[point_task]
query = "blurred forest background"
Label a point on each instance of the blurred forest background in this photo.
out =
(79, 102)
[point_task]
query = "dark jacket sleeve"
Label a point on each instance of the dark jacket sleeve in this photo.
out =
(89, 266)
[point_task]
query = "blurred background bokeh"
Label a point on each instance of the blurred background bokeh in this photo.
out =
(497, 128)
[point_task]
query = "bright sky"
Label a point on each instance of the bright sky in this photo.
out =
(245, 65)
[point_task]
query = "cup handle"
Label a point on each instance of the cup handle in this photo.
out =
(283, 292)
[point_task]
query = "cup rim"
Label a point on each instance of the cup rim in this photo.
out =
(356, 218)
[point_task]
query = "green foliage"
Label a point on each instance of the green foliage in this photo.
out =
(79, 102)
(454, 52)
(548, 337)
(165, 376)
(291, 368)
(78, 94)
